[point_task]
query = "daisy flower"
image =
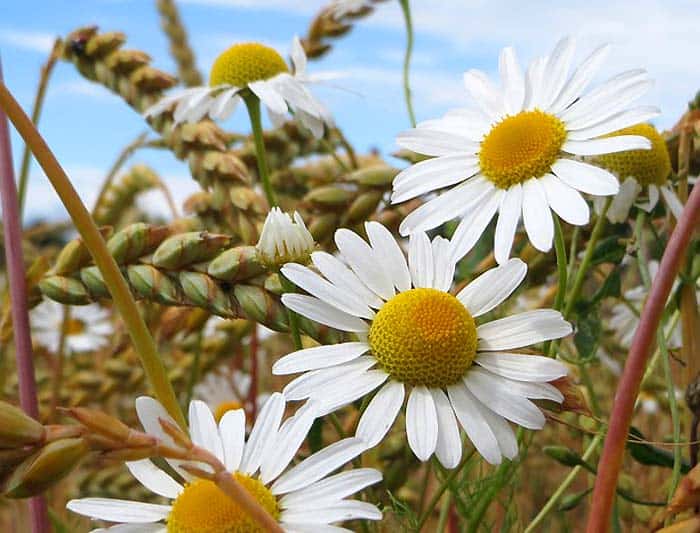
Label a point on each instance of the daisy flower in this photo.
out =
(514, 153)
(284, 238)
(261, 70)
(639, 170)
(414, 334)
(226, 389)
(302, 499)
(89, 327)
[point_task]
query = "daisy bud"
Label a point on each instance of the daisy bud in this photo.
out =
(565, 456)
(284, 239)
(16, 428)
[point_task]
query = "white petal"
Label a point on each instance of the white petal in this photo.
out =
(298, 56)
(565, 201)
(485, 94)
(507, 442)
(389, 255)
(154, 479)
(526, 389)
(319, 357)
(536, 215)
(224, 104)
(492, 287)
(522, 329)
(420, 260)
(296, 95)
(203, 429)
(330, 489)
(448, 449)
(421, 423)
(338, 512)
(444, 264)
(269, 96)
(324, 313)
(435, 143)
(473, 422)
(473, 223)
(607, 145)
(380, 413)
(512, 79)
(114, 510)
(262, 436)
(586, 178)
(515, 408)
(348, 390)
(534, 83)
(557, 70)
(315, 285)
(623, 119)
(469, 123)
(167, 101)
(623, 201)
(431, 175)
(653, 194)
(156, 527)
(318, 465)
(232, 429)
(304, 527)
(672, 201)
(362, 260)
(310, 382)
(580, 79)
(508, 217)
(340, 275)
(522, 367)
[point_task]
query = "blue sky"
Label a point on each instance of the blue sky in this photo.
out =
(86, 125)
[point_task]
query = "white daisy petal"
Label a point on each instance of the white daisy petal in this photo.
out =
(420, 260)
(580, 79)
(435, 143)
(508, 216)
(363, 261)
(298, 56)
(193, 107)
(432, 174)
(492, 287)
(512, 79)
(380, 414)
(337, 512)
(389, 255)
(114, 510)
(262, 436)
(672, 201)
(444, 264)
(526, 389)
(586, 178)
(607, 145)
(133, 528)
(507, 442)
(565, 201)
(448, 448)
(537, 217)
(297, 527)
(203, 430)
(319, 357)
(474, 424)
(522, 367)
(316, 380)
(633, 191)
(474, 223)
(341, 276)
(232, 429)
(348, 390)
(485, 94)
(154, 479)
(557, 70)
(330, 489)
(318, 465)
(533, 83)
(522, 329)
(224, 104)
(318, 311)
(469, 123)
(421, 423)
(620, 120)
(167, 101)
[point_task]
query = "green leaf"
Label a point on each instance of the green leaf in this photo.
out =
(588, 331)
(611, 287)
(608, 250)
(571, 501)
(647, 454)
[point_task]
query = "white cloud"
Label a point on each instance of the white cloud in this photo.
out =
(28, 40)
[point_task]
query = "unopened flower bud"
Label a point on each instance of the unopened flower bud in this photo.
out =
(284, 239)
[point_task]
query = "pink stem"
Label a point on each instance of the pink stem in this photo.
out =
(628, 388)
(18, 297)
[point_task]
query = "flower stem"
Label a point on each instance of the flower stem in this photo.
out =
(121, 295)
(291, 315)
(406, 8)
(12, 228)
(562, 268)
(620, 418)
(252, 102)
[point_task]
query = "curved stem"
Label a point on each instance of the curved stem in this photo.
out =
(252, 102)
(620, 418)
(406, 8)
(121, 295)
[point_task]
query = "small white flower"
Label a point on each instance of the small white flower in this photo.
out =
(260, 69)
(89, 327)
(284, 238)
(514, 153)
(303, 499)
(411, 332)
(225, 389)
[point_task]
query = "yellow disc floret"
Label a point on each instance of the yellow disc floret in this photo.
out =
(521, 147)
(203, 508)
(225, 407)
(75, 326)
(424, 337)
(245, 63)
(648, 167)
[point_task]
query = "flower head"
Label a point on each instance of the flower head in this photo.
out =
(413, 333)
(514, 153)
(284, 238)
(225, 389)
(256, 68)
(88, 328)
(302, 498)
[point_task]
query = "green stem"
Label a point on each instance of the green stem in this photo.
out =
(121, 295)
(288, 286)
(444, 513)
(194, 370)
(252, 102)
(560, 248)
(406, 8)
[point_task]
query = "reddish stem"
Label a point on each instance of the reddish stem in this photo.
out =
(18, 297)
(628, 388)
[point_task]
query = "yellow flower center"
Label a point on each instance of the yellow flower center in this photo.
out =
(648, 167)
(245, 63)
(75, 326)
(203, 508)
(424, 337)
(521, 147)
(225, 407)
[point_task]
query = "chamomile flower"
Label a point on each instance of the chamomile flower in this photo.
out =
(514, 153)
(257, 68)
(89, 327)
(284, 238)
(302, 498)
(414, 334)
(225, 389)
(639, 170)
